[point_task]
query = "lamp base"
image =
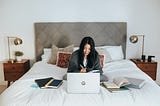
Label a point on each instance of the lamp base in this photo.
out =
(11, 61)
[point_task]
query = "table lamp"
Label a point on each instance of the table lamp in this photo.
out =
(17, 41)
(134, 39)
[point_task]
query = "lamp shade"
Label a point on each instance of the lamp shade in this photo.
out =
(18, 41)
(133, 39)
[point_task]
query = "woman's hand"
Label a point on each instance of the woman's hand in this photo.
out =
(83, 70)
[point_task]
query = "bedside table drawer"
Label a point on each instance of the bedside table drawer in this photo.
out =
(12, 76)
(13, 68)
(147, 67)
(150, 68)
(151, 74)
(13, 71)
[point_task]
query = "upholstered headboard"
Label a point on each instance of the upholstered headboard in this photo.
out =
(63, 34)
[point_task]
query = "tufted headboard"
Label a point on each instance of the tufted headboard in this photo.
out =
(63, 34)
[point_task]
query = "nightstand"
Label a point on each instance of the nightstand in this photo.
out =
(13, 71)
(149, 68)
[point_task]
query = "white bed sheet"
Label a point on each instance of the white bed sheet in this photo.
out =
(23, 93)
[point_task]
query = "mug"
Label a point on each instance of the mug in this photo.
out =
(150, 58)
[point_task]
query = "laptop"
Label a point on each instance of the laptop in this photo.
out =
(83, 82)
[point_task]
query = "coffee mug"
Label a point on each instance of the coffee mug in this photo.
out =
(150, 58)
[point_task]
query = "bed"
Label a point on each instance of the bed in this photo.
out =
(24, 91)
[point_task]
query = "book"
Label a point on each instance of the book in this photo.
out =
(135, 83)
(117, 83)
(48, 82)
(125, 81)
(54, 83)
(114, 90)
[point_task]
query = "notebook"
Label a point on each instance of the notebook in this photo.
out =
(83, 82)
(48, 82)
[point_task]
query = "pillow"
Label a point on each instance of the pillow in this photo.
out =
(75, 48)
(54, 51)
(45, 57)
(101, 60)
(115, 52)
(103, 51)
(46, 54)
(47, 50)
(104, 47)
(63, 59)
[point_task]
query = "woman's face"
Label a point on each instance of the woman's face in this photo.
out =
(87, 50)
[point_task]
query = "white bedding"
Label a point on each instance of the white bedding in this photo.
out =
(23, 92)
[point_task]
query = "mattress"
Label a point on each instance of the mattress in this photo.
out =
(24, 91)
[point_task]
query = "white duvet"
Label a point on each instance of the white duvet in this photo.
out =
(24, 92)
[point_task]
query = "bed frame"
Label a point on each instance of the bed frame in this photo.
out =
(63, 34)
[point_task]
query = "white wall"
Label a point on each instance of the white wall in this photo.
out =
(17, 18)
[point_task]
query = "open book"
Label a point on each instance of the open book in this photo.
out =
(125, 81)
(48, 82)
(117, 83)
(135, 83)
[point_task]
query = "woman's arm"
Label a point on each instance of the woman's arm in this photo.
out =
(73, 63)
(97, 65)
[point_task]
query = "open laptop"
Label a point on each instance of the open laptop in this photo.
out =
(83, 82)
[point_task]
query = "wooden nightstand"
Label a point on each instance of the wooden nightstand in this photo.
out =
(13, 71)
(149, 68)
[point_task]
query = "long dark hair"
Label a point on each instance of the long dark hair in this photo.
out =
(93, 53)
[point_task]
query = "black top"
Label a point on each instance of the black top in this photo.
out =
(75, 67)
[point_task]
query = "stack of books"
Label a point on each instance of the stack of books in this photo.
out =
(48, 82)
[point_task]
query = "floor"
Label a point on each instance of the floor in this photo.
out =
(2, 88)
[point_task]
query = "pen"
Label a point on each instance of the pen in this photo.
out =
(83, 69)
(82, 66)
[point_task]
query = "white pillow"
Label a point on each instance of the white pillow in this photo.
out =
(75, 48)
(115, 52)
(105, 47)
(46, 54)
(45, 58)
(47, 50)
(103, 51)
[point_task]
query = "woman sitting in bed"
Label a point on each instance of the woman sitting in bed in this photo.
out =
(86, 58)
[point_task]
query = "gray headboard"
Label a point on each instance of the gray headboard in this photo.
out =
(63, 34)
